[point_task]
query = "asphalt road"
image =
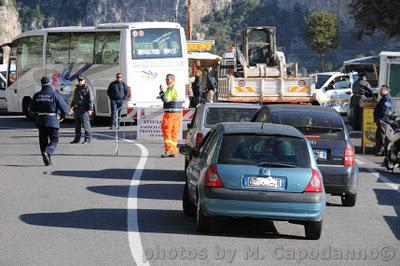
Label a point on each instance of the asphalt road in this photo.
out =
(92, 208)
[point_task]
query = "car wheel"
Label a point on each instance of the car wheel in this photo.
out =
(203, 223)
(349, 199)
(313, 230)
(189, 209)
(25, 108)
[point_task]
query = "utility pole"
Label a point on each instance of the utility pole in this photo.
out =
(189, 26)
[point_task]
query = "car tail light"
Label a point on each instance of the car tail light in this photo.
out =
(129, 96)
(315, 184)
(349, 156)
(212, 178)
(199, 138)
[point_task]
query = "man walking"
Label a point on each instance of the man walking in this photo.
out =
(45, 105)
(172, 117)
(382, 112)
(82, 107)
(117, 92)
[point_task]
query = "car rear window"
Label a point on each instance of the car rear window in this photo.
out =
(218, 115)
(264, 150)
(326, 125)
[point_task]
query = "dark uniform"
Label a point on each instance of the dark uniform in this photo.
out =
(44, 106)
(382, 112)
(361, 88)
(117, 92)
(82, 103)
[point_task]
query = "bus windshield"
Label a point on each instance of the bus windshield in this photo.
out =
(156, 43)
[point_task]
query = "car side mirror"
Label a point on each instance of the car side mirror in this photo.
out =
(186, 150)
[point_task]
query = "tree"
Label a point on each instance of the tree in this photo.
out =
(321, 33)
(376, 15)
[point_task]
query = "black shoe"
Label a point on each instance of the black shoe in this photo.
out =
(168, 154)
(74, 141)
(46, 158)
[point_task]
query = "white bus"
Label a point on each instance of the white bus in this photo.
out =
(143, 52)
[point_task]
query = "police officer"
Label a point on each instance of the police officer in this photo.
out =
(382, 112)
(44, 107)
(82, 107)
(361, 88)
(172, 117)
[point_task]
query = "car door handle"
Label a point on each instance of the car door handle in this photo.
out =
(15, 90)
(348, 92)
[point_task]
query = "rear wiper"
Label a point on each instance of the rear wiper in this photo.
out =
(276, 164)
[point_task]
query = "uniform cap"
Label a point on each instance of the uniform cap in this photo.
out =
(45, 81)
(80, 77)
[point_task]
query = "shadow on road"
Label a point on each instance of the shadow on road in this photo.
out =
(153, 174)
(151, 221)
(390, 197)
(145, 191)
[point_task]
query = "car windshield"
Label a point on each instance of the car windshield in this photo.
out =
(264, 151)
(218, 115)
(321, 79)
(326, 125)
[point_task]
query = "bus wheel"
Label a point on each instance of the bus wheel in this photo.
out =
(25, 106)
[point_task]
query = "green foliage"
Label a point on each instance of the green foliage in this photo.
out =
(47, 13)
(376, 15)
(321, 31)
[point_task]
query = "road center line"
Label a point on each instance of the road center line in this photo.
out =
(381, 177)
(135, 243)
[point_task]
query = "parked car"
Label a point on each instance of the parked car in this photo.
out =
(209, 114)
(254, 170)
(330, 140)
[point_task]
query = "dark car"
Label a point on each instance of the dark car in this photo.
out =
(330, 140)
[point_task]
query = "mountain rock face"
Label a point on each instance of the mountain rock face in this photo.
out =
(9, 26)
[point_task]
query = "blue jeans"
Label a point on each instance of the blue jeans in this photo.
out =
(82, 118)
(115, 105)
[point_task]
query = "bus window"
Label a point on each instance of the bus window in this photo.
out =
(57, 48)
(156, 43)
(29, 53)
(81, 47)
(107, 48)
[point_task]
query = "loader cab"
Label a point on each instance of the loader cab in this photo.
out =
(259, 45)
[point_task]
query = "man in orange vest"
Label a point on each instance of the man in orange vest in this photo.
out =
(172, 117)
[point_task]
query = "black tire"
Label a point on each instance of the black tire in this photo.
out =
(313, 230)
(349, 199)
(203, 223)
(25, 108)
(189, 209)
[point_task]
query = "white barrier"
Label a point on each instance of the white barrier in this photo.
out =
(149, 123)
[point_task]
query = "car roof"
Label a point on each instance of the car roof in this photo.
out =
(300, 108)
(231, 105)
(259, 128)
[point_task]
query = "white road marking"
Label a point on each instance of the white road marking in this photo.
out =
(360, 161)
(135, 243)
(383, 178)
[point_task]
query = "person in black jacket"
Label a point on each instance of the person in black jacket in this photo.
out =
(82, 107)
(197, 88)
(382, 112)
(44, 107)
(361, 89)
(117, 92)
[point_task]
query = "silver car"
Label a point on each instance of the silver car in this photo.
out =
(209, 114)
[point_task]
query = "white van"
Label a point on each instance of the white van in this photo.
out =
(3, 85)
(334, 89)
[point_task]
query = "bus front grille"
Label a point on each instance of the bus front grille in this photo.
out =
(102, 101)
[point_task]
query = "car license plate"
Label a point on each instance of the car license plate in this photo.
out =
(321, 154)
(264, 182)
